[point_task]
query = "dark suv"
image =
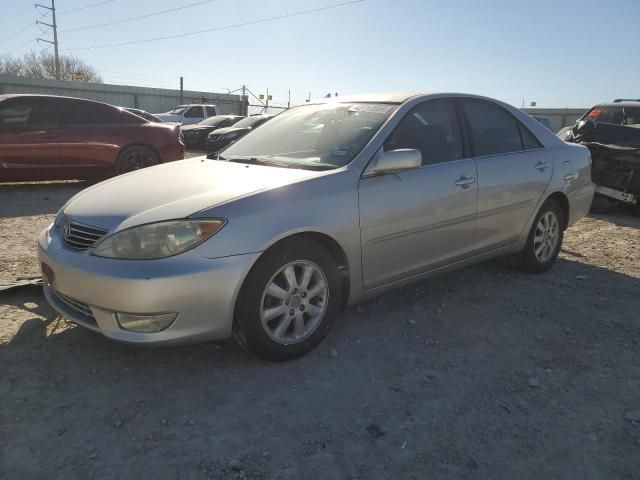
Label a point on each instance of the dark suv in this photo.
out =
(48, 137)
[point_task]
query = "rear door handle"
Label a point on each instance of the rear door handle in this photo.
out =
(542, 166)
(465, 181)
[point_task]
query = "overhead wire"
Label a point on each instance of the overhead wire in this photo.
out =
(17, 33)
(132, 19)
(226, 27)
(64, 12)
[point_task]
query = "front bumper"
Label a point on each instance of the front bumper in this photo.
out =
(89, 290)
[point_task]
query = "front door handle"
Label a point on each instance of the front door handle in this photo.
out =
(465, 181)
(542, 166)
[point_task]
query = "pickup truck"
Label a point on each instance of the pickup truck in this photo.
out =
(188, 114)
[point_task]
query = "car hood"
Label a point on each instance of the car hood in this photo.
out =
(225, 130)
(187, 128)
(174, 190)
(166, 117)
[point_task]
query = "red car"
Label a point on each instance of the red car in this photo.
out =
(52, 138)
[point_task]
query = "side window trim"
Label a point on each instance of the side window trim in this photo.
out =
(465, 130)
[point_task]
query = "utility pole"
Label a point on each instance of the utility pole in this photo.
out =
(266, 107)
(245, 101)
(181, 90)
(289, 102)
(53, 26)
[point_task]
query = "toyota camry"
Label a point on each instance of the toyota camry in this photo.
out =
(325, 205)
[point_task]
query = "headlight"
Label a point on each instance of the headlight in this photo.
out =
(158, 240)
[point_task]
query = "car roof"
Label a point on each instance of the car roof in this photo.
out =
(398, 97)
(626, 103)
(16, 95)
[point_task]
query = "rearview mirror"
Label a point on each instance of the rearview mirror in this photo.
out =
(398, 160)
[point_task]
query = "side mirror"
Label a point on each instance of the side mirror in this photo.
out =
(398, 160)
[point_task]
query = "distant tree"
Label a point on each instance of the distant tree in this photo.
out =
(42, 65)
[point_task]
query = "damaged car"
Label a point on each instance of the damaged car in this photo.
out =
(611, 131)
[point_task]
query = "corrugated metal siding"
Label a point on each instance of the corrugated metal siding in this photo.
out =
(153, 100)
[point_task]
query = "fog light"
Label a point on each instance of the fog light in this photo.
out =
(146, 323)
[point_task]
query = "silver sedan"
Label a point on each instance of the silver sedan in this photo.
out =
(324, 206)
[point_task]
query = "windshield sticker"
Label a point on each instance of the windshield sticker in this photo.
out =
(370, 107)
(340, 152)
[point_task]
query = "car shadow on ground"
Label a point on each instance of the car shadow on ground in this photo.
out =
(457, 373)
(624, 217)
(37, 198)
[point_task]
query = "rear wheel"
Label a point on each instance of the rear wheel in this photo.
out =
(544, 240)
(135, 158)
(289, 301)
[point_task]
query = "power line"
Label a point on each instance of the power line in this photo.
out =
(125, 20)
(22, 45)
(226, 27)
(35, 24)
(85, 7)
(18, 32)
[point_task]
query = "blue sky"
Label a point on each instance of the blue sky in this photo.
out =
(557, 53)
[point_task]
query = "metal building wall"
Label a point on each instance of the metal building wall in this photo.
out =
(154, 100)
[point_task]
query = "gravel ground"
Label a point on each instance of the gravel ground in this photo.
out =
(480, 373)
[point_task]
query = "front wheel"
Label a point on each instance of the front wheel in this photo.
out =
(289, 301)
(544, 240)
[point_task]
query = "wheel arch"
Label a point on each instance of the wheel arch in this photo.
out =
(329, 243)
(561, 199)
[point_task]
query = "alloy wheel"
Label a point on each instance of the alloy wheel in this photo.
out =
(294, 302)
(546, 236)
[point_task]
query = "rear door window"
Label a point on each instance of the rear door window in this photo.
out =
(89, 113)
(194, 112)
(493, 130)
(431, 127)
(211, 111)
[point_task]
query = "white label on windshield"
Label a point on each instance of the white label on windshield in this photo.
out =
(370, 107)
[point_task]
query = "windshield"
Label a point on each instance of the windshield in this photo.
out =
(617, 115)
(177, 110)
(328, 135)
(213, 121)
(249, 121)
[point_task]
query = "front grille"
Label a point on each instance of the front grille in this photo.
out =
(81, 310)
(79, 236)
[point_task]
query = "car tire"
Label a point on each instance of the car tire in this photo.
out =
(279, 316)
(544, 240)
(135, 158)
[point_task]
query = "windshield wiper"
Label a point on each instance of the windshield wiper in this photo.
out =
(250, 160)
(257, 161)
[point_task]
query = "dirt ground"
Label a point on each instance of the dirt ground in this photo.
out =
(483, 373)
